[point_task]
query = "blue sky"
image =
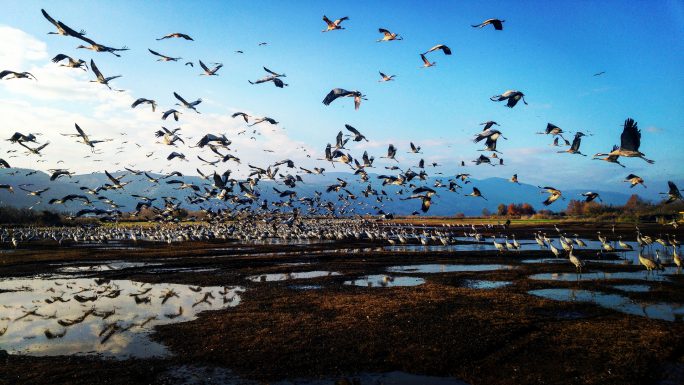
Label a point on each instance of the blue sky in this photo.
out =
(548, 50)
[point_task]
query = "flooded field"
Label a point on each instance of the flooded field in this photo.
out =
(289, 312)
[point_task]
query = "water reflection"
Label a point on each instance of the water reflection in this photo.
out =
(98, 316)
(662, 310)
(274, 277)
(481, 284)
(600, 275)
(446, 268)
(382, 280)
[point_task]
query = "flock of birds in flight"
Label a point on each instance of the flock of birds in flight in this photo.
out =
(222, 187)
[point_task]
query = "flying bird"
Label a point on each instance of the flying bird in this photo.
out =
(71, 62)
(554, 194)
(444, 48)
(634, 180)
(388, 36)
(426, 62)
(164, 57)
(185, 104)
(100, 78)
(673, 193)
(497, 23)
(16, 75)
(170, 112)
(476, 193)
(590, 196)
(340, 93)
(630, 141)
(386, 78)
(140, 101)
(208, 71)
(333, 25)
(176, 35)
(512, 96)
(574, 147)
(357, 135)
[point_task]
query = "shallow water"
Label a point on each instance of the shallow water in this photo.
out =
(382, 280)
(480, 284)
(599, 275)
(446, 268)
(203, 375)
(106, 266)
(274, 277)
(633, 288)
(92, 316)
(662, 310)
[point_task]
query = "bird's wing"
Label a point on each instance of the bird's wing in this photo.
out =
(631, 176)
(271, 72)
(353, 130)
(204, 67)
(425, 60)
(631, 136)
(332, 95)
(96, 70)
(114, 180)
(49, 18)
(180, 98)
(446, 50)
(137, 102)
(327, 21)
(75, 34)
(59, 57)
(80, 131)
(386, 32)
(673, 187)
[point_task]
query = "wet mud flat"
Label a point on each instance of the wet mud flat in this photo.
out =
(340, 311)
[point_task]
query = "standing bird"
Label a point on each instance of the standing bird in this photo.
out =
(426, 62)
(185, 104)
(71, 63)
(444, 48)
(554, 194)
(333, 25)
(388, 36)
(673, 194)
(630, 141)
(140, 101)
(386, 78)
(164, 57)
(512, 96)
(100, 78)
(176, 35)
(634, 180)
(340, 93)
(497, 23)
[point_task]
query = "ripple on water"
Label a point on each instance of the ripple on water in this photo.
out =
(660, 310)
(95, 316)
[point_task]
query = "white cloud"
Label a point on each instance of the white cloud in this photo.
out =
(64, 96)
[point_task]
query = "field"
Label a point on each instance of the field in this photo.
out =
(455, 324)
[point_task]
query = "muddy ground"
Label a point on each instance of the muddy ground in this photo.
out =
(440, 328)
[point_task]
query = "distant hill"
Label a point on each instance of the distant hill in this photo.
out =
(446, 203)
